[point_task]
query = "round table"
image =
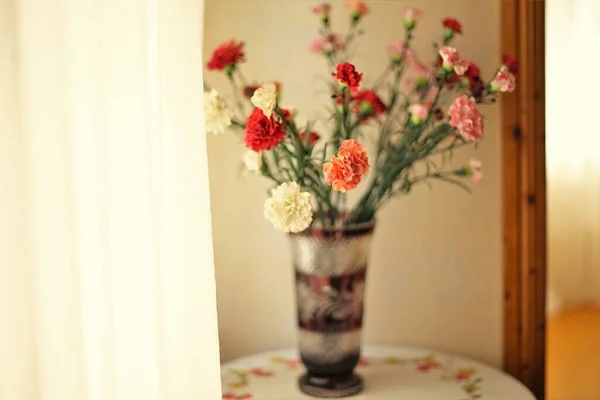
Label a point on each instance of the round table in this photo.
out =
(389, 373)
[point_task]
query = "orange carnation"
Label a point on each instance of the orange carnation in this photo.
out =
(345, 170)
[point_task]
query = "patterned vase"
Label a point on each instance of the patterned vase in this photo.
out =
(331, 268)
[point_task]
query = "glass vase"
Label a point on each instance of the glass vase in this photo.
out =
(330, 276)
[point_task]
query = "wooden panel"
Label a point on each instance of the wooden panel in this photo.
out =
(524, 182)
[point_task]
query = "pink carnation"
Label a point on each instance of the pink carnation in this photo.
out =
(322, 9)
(417, 67)
(504, 81)
(327, 44)
(452, 60)
(318, 45)
(418, 76)
(412, 14)
(475, 169)
(396, 48)
(358, 7)
(466, 118)
(418, 112)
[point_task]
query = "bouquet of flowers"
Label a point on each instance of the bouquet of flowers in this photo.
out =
(422, 111)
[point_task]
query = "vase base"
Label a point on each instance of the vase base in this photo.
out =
(331, 387)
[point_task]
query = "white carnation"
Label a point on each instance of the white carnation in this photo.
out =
(218, 116)
(289, 209)
(265, 98)
(252, 161)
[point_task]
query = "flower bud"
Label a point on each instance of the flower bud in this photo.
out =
(464, 82)
(415, 120)
(229, 69)
(365, 108)
(448, 33)
(421, 82)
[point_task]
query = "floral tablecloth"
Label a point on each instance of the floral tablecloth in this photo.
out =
(389, 373)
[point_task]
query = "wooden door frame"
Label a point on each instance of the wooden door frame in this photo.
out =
(524, 191)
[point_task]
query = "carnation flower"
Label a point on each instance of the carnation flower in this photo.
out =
(368, 104)
(418, 77)
(322, 9)
(310, 137)
(249, 90)
(472, 73)
(475, 170)
(466, 118)
(327, 45)
(292, 112)
(452, 61)
(358, 9)
(289, 209)
(265, 98)
(346, 75)
(252, 161)
(217, 115)
(318, 45)
(263, 133)
(397, 50)
(471, 171)
(451, 26)
(470, 78)
(511, 63)
(418, 113)
(504, 81)
(346, 170)
(411, 16)
(227, 56)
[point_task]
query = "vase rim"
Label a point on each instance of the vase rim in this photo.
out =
(359, 229)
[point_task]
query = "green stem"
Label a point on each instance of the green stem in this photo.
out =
(238, 124)
(237, 96)
(382, 77)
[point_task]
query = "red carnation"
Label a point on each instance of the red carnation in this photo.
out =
(227, 56)
(347, 75)
(472, 71)
(313, 137)
(263, 133)
(368, 104)
(511, 63)
(286, 114)
(452, 79)
(452, 24)
(249, 90)
(438, 114)
(473, 74)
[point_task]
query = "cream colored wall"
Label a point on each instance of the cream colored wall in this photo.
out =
(435, 273)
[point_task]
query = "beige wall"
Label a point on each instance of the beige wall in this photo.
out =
(435, 274)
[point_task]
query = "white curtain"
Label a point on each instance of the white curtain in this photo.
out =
(106, 265)
(573, 152)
